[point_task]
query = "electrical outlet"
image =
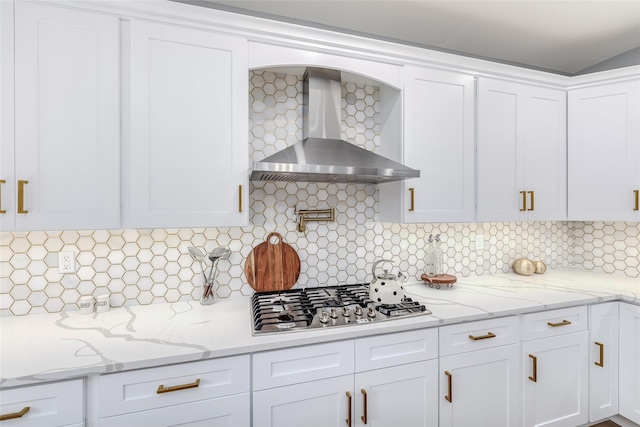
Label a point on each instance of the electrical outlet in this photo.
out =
(66, 262)
(479, 242)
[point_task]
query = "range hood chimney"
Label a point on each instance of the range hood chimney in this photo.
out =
(322, 156)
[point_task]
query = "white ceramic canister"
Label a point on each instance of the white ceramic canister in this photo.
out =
(86, 304)
(102, 303)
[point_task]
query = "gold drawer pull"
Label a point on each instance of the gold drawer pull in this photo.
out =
(534, 378)
(15, 414)
(2, 211)
(601, 361)
(163, 389)
(555, 325)
(637, 193)
(412, 199)
(21, 209)
(364, 400)
(524, 201)
(531, 199)
(482, 337)
(449, 396)
(348, 420)
(240, 198)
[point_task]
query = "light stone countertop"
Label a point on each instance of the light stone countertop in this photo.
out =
(64, 345)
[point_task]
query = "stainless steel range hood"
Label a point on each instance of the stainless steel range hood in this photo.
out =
(322, 156)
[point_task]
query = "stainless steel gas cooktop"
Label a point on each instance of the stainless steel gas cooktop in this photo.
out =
(324, 307)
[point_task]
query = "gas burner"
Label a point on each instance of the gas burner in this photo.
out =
(330, 306)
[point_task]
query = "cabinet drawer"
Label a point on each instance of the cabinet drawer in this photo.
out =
(554, 322)
(479, 335)
(141, 390)
(51, 404)
(295, 365)
(228, 411)
(396, 349)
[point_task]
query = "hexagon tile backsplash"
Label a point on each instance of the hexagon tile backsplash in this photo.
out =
(151, 266)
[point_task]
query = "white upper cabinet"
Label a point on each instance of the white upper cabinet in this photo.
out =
(522, 152)
(66, 146)
(604, 152)
(186, 155)
(439, 140)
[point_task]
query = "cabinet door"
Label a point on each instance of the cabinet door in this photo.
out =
(67, 126)
(186, 158)
(229, 411)
(137, 391)
(439, 141)
(481, 388)
(521, 152)
(545, 154)
(404, 395)
(603, 361)
(322, 403)
(604, 152)
(555, 380)
(7, 172)
(500, 153)
(50, 404)
(630, 362)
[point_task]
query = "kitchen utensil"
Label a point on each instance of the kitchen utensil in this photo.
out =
(523, 266)
(199, 256)
(214, 256)
(272, 265)
(444, 280)
(386, 288)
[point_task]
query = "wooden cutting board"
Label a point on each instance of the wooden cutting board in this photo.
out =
(272, 265)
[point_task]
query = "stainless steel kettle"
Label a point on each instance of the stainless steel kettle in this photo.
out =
(386, 288)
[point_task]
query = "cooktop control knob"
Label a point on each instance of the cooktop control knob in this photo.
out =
(324, 317)
(333, 313)
(372, 312)
(346, 312)
(358, 311)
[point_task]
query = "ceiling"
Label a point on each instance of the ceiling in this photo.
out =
(561, 36)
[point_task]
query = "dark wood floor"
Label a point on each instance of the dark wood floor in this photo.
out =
(606, 424)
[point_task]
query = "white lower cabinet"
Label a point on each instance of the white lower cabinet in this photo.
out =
(320, 403)
(479, 374)
(603, 361)
(212, 392)
(230, 411)
(404, 395)
(393, 382)
(556, 372)
(46, 405)
(630, 362)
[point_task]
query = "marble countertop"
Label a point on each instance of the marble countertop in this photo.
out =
(64, 345)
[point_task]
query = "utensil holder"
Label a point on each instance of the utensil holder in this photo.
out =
(208, 295)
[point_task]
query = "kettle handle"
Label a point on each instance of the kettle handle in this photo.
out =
(373, 269)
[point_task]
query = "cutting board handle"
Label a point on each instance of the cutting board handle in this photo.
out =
(275, 254)
(277, 236)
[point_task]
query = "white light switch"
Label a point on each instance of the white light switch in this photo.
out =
(66, 262)
(479, 242)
